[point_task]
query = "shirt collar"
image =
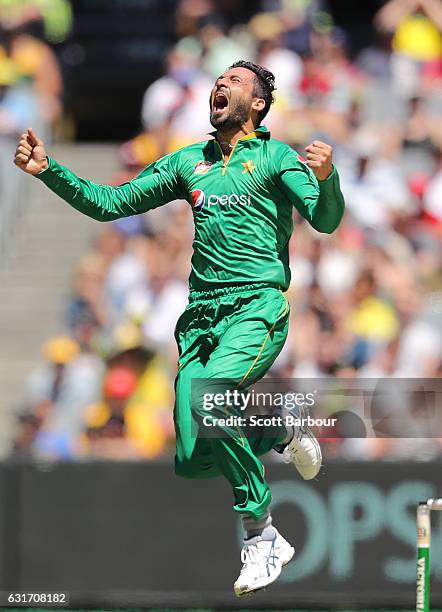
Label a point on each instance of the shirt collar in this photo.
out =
(259, 132)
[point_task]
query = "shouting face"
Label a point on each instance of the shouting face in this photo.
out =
(233, 100)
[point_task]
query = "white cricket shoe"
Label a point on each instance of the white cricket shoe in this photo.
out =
(284, 550)
(262, 563)
(304, 452)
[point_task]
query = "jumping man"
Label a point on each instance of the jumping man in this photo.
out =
(242, 186)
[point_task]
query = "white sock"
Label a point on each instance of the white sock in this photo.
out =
(262, 527)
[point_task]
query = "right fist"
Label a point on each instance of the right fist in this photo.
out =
(30, 155)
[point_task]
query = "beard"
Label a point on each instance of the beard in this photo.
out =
(238, 114)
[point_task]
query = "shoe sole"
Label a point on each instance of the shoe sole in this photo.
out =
(260, 586)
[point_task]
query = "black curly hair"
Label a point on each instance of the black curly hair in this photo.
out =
(264, 84)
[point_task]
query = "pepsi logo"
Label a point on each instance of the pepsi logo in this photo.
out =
(198, 199)
(226, 201)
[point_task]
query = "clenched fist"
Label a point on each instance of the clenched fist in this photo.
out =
(30, 154)
(319, 159)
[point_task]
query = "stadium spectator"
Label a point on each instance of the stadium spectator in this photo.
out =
(63, 385)
(219, 50)
(55, 15)
(432, 203)
(133, 419)
(373, 185)
(416, 26)
(35, 62)
(17, 102)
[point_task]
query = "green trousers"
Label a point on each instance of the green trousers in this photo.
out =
(234, 334)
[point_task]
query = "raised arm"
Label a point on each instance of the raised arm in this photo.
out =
(313, 186)
(389, 16)
(155, 186)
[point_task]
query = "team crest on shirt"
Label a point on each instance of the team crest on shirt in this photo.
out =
(202, 167)
(248, 167)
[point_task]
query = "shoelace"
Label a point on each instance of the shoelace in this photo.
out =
(253, 554)
(290, 455)
(250, 554)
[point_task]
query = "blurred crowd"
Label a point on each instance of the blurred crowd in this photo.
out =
(31, 83)
(366, 301)
(31, 88)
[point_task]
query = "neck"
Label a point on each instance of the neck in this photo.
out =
(228, 138)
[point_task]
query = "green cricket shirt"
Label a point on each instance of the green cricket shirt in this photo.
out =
(242, 208)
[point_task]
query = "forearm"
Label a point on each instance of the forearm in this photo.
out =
(433, 10)
(330, 207)
(101, 202)
(319, 202)
(392, 13)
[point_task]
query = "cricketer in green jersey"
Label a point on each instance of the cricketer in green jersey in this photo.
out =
(242, 186)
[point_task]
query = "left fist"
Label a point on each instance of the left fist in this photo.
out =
(319, 159)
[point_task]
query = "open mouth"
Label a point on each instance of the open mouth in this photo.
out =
(220, 101)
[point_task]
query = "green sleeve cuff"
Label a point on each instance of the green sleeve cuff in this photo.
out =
(331, 177)
(48, 173)
(331, 205)
(50, 162)
(330, 187)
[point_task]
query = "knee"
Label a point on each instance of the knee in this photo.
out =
(196, 466)
(185, 469)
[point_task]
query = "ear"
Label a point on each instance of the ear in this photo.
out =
(258, 104)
